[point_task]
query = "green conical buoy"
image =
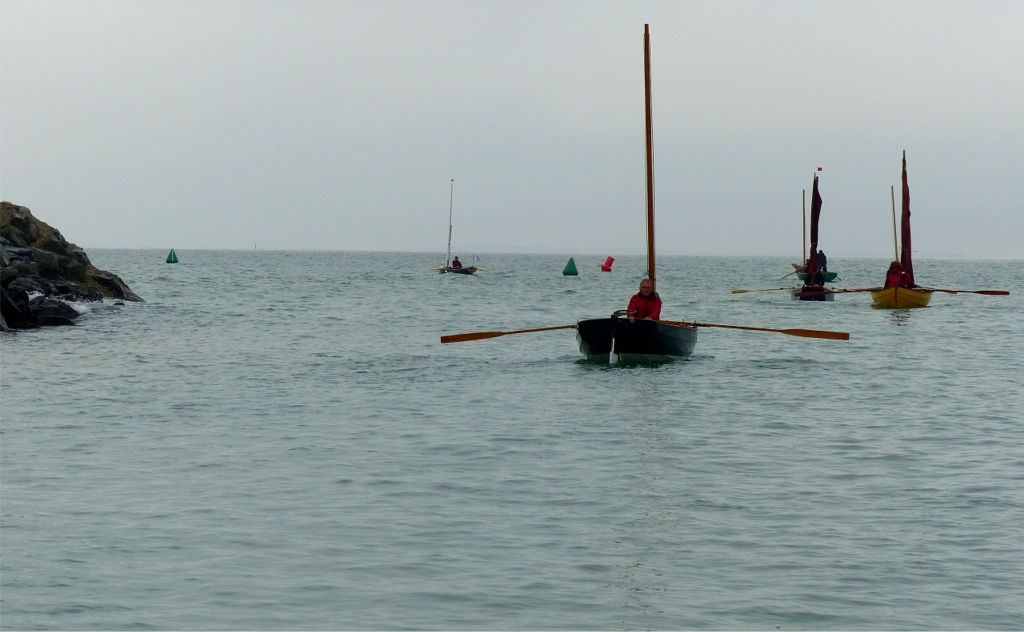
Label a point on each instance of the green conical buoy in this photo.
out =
(171, 257)
(570, 268)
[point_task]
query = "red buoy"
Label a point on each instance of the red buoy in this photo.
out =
(607, 265)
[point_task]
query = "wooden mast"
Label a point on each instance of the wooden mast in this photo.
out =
(803, 244)
(451, 198)
(650, 158)
(895, 248)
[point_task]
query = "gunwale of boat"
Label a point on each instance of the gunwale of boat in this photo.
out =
(900, 298)
(469, 270)
(829, 276)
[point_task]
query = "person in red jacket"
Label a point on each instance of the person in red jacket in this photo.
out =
(646, 304)
(897, 276)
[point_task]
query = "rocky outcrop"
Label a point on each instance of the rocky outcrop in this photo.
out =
(40, 270)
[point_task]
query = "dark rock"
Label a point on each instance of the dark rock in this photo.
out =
(14, 307)
(78, 255)
(71, 270)
(13, 235)
(27, 284)
(110, 282)
(72, 291)
(21, 219)
(18, 269)
(56, 246)
(50, 311)
(14, 253)
(35, 257)
(49, 267)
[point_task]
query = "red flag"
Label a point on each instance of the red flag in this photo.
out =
(905, 256)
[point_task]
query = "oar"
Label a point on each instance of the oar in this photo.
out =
(818, 291)
(985, 292)
(791, 273)
(805, 333)
(764, 289)
(481, 335)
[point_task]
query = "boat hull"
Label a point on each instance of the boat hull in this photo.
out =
(829, 276)
(900, 298)
(813, 294)
(469, 270)
(616, 340)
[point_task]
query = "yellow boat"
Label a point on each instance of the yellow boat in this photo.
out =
(900, 298)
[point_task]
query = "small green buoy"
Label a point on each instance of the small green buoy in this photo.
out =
(570, 268)
(171, 257)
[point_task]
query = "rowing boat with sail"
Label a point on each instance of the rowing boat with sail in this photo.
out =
(616, 339)
(801, 269)
(447, 267)
(902, 297)
(812, 264)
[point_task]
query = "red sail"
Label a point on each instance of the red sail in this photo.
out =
(905, 256)
(812, 261)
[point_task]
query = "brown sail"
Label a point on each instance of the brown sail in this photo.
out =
(812, 261)
(905, 255)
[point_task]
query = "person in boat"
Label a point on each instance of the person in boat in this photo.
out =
(816, 279)
(646, 304)
(897, 276)
(822, 261)
(456, 264)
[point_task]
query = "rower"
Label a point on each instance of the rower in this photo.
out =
(822, 261)
(897, 276)
(456, 264)
(815, 279)
(646, 304)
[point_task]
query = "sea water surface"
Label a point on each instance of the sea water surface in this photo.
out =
(277, 440)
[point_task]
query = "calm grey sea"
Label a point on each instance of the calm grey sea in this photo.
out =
(279, 440)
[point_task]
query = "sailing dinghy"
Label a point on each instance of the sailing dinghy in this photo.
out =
(447, 267)
(615, 339)
(812, 265)
(902, 297)
(802, 270)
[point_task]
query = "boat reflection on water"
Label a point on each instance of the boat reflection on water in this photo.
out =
(900, 317)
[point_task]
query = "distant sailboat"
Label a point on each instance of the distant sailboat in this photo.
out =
(902, 297)
(447, 267)
(812, 264)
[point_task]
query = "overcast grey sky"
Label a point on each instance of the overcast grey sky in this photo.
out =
(338, 125)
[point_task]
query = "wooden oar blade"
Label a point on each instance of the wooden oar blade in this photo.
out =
(815, 333)
(986, 292)
(481, 335)
(763, 289)
(478, 335)
(806, 333)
